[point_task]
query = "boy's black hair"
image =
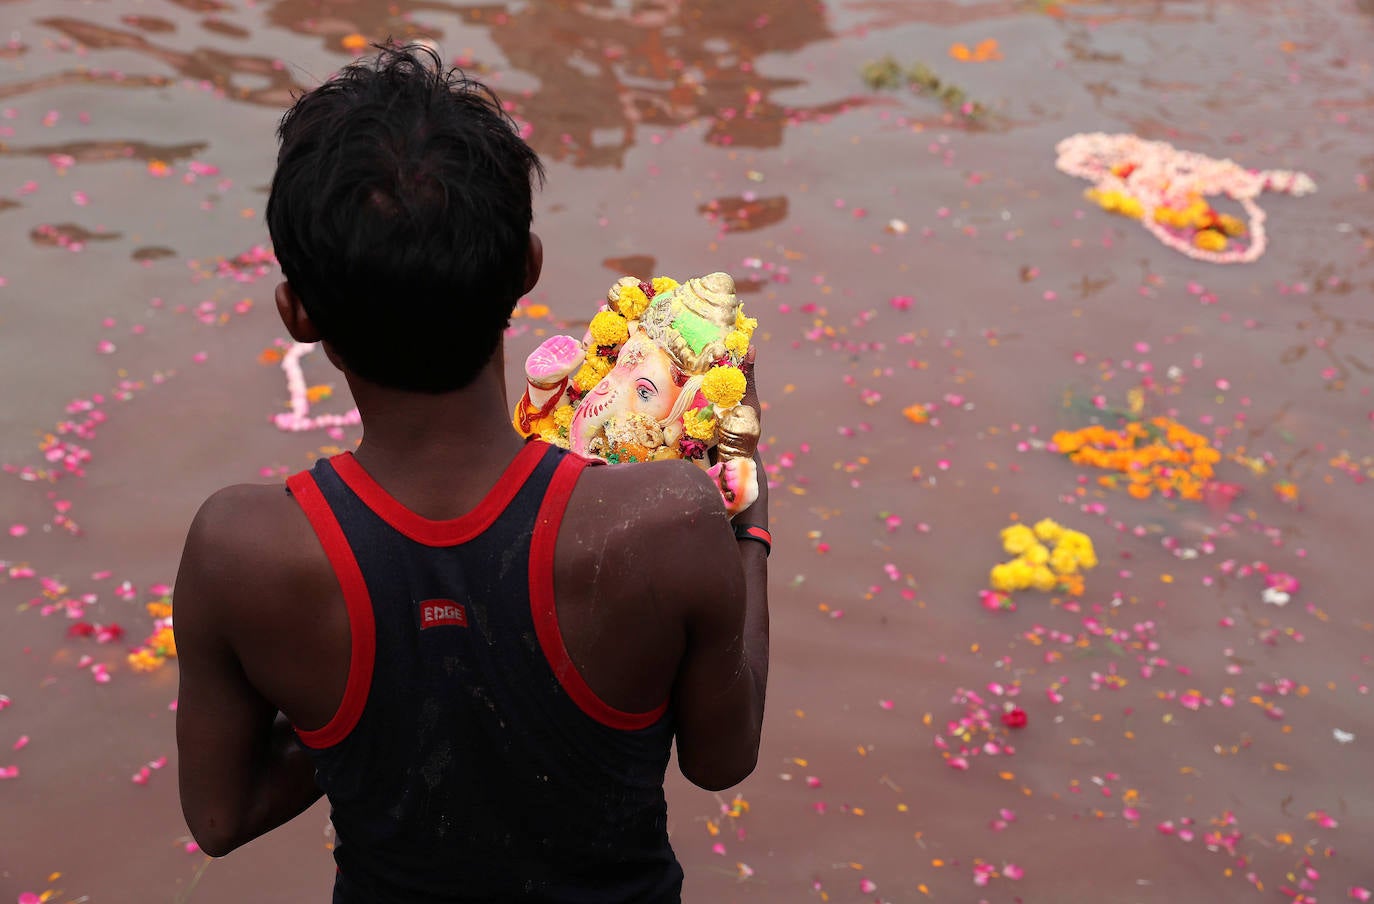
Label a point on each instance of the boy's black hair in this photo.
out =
(400, 213)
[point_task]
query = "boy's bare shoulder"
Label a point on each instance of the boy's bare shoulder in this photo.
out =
(249, 540)
(645, 525)
(670, 498)
(247, 514)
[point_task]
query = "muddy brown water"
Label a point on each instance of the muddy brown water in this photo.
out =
(682, 137)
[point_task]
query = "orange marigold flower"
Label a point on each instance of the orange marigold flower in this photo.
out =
(163, 642)
(145, 661)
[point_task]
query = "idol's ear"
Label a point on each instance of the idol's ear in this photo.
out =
(294, 316)
(534, 263)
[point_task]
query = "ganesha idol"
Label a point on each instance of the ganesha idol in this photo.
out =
(657, 376)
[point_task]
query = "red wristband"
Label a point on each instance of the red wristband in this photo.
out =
(761, 534)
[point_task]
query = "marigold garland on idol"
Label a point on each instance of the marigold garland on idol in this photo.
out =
(657, 376)
(1166, 190)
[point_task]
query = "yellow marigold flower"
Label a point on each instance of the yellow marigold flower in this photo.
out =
(631, 302)
(609, 328)
(1018, 538)
(1001, 578)
(1022, 573)
(555, 437)
(563, 415)
(724, 386)
(1232, 226)
(1107, 200)
(1132, 208)
(1210, 240)
(746, 325)
(1087, 559)
(1084, 542)
(593, 369)
(1037, 554)
(699, 424)
(1044, 579)
(1048, 530)
(663, 284)
(737, 343)
(159, 609)
(1063, 561)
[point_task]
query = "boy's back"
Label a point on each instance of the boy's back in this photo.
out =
(486, 647)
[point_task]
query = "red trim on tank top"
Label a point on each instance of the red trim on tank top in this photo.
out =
(361, 628)
(449, 532)
(544, 608)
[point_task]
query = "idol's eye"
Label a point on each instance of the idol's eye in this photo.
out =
(646, 389)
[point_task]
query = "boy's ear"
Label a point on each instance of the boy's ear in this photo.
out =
(293, 315)
(534, 264)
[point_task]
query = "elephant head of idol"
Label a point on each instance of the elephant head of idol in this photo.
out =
(658, 371)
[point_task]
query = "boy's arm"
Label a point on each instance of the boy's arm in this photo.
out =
(241, 770)
(719, 694)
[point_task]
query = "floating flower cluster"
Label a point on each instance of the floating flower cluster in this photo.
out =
(1158, 455)
(1048, 556)
(161, 645)
(1166, 190)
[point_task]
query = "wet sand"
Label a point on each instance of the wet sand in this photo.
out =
(1215, 749)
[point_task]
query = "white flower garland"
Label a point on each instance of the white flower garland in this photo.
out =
(299, 417)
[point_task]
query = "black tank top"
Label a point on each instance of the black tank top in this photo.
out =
(468, 760)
